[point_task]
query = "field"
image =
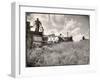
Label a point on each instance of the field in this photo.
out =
(64, 53)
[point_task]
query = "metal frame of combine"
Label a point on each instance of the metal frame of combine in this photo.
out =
(37, 39)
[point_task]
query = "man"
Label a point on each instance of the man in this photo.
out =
(37, 23)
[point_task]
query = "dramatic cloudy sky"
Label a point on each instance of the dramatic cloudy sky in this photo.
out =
(60, 23)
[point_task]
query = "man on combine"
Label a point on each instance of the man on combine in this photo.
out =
(38, 24)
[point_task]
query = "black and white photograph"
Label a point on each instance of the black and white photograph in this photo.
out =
(57, 39)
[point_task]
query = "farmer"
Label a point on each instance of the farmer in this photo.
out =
(38, 24)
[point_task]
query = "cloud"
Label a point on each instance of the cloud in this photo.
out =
(75, 31)
(78, 37)
(70, 24)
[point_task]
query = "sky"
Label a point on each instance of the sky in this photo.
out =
(74, 25)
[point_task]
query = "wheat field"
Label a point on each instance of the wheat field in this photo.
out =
(64, 53)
